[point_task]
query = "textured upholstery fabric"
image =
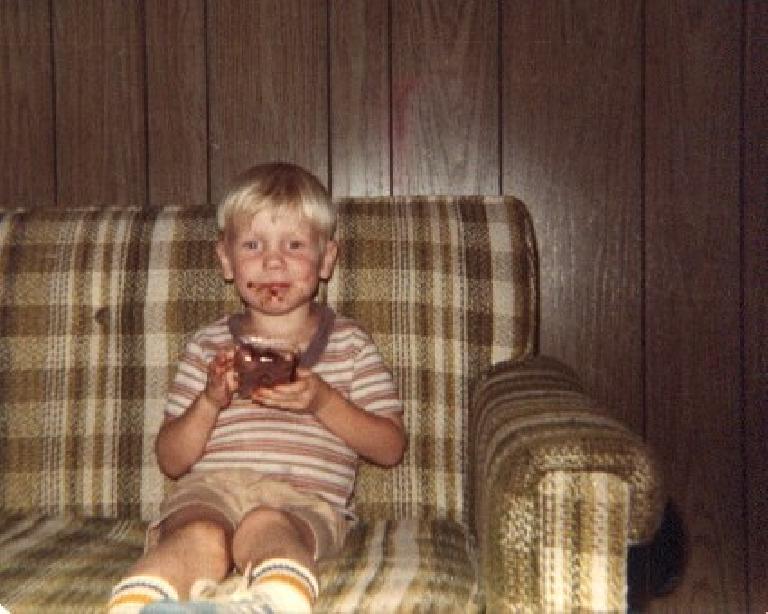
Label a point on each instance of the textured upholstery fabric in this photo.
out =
(109, 297)
(584, 521)
(68, 565)
(447, 287)
(533, 430)
(96, 306)
(407, 565)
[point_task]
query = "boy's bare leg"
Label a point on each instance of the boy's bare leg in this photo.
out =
(281, 549)
(194, 544)
(267, 533)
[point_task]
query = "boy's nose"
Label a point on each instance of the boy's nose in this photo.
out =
(273, 258)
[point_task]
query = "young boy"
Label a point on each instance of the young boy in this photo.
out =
(264, 483)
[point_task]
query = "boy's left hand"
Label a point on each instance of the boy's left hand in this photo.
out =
(306, 395)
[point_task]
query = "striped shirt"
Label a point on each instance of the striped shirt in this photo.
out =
(295, 448)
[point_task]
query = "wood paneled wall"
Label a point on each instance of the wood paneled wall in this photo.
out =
(635, 130)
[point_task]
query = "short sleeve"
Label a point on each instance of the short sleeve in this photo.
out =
(190, 379)
(373, 387)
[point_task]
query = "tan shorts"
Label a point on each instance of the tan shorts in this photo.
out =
(235, 492)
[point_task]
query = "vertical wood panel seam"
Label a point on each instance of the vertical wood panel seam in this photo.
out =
(643, 196)
(391, 111)
(145, 78)
(742, 305)
(328, 95)
(54, 129)
(499, 92)
(207, 86)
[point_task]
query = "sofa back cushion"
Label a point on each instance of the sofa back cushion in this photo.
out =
(97, 304)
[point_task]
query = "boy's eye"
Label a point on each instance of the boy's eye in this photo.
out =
(252, 244)
(295, 244)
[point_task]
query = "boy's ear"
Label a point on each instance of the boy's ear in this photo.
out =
(224, 260)
(330, 254)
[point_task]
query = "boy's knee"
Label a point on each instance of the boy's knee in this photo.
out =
(203, 532)
(267, 532)
(265, 518)
(209, 540)
(198, 532)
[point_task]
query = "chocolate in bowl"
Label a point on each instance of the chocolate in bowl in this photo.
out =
(263, 363)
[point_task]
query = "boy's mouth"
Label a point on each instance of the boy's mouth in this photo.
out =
(274, 290)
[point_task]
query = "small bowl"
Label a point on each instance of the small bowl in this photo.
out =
(263, 363)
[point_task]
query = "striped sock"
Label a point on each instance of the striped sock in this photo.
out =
(288, 584)
(133, 593)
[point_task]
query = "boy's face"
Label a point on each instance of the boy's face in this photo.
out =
(275, 260)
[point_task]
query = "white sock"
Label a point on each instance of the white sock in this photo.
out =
(133, 593)
(288, 584)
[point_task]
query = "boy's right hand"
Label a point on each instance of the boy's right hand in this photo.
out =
(222, 380)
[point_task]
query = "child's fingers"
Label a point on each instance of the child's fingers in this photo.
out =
(232, 380)
(223, 359)
(296, 396)
(222, 380)
(305, 375)
(222, 363)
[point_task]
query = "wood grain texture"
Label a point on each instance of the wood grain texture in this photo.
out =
(27, 176)
(693, 288)
(572, 151)
(268, 86)
(100, 115)
(445, 136)
(73, 86)
(755, 229)
(360, 119)
(177, 114)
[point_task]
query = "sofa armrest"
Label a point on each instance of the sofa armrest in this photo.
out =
(557, 488)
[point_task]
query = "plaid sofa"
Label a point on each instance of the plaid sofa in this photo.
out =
(515, 493)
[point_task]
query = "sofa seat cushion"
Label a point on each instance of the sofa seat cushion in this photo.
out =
(402, 566)
(68, 565)
(63, 564)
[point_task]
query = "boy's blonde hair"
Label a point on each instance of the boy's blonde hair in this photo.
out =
(279, 187)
